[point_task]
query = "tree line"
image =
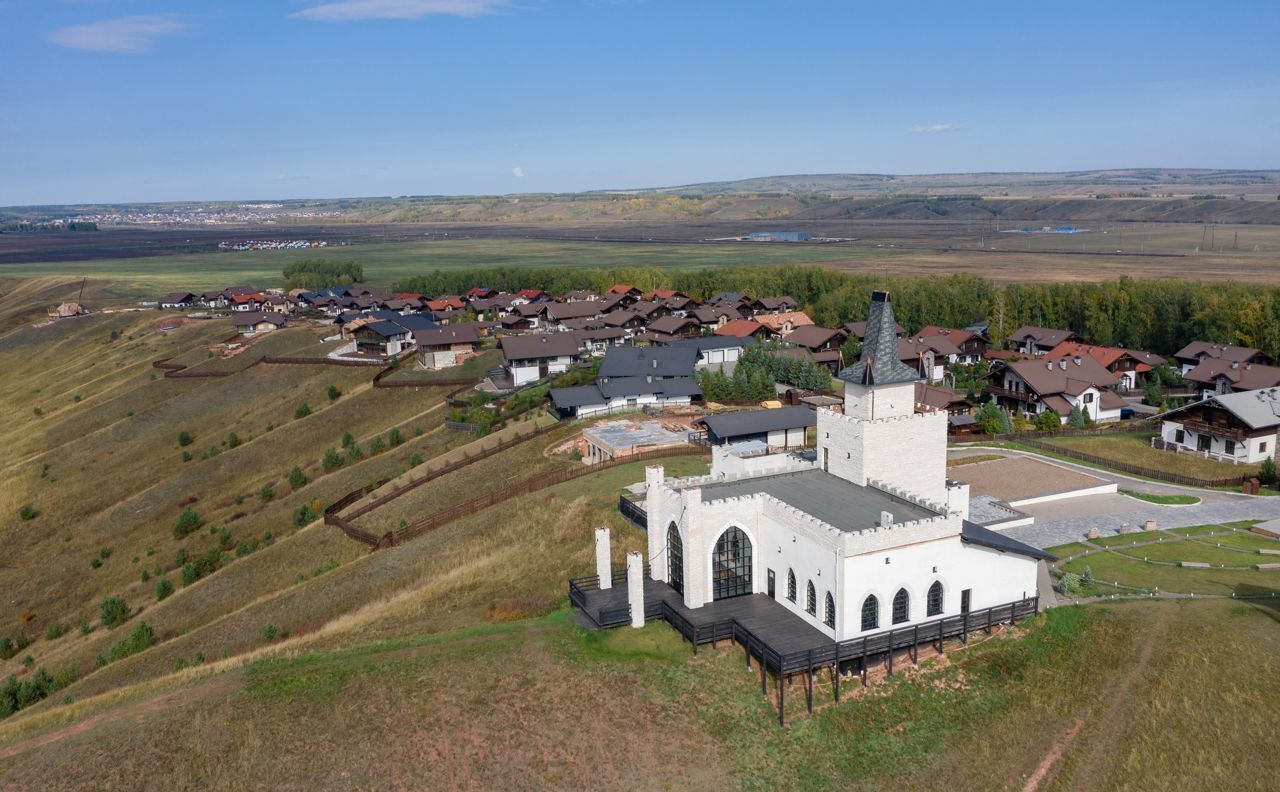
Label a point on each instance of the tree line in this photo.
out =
(317, 274)
(1157, 315)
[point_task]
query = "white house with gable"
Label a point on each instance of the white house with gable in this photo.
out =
(868, 536)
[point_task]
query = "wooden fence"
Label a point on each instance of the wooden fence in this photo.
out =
(1137, 470)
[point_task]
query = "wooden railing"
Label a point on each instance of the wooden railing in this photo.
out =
(631, 508)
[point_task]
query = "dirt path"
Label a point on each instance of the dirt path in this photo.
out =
(219, 685)
(1108, 725)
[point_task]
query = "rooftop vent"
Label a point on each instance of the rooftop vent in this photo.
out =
(1062, 364)
(886, 519)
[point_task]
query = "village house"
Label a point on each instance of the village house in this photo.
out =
(774, 430)
(1219, 375)
(1197, 352)
(774, 304)
(869, 537)
(630, 321)
(525, 296)
(445, 347)
(714, 316)
(1034, 386)
(617, 439)
(934, 398)
(715, 350)
(251, 323)
(1128, 365)
(580, 295)
(1036, 341)
(670, 328)
(624, 289)
(212, 299)
(528, 358)
(382, 338)
(745, 328)
(178, 300)
(680, 304)
(558, 313)
(246, 302)
(633, 378)
(859, 329)
(1231, 427)
(822, 343)
(783, 322)
(598, 341)
(970, 345)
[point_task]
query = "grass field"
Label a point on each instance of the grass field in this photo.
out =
(1165, 500)
(1134, 448)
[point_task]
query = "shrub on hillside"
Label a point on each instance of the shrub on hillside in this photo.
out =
(297, 478)
(27, 512)
(415, 460)
(185, 438)
(394, 438)
(304, 515)
(348, 439)
(332, 460)
(334, 393)
(354, 454)
(266, 494)
(303, 411)
(141, 638)
(55, 630)
(188, 523)
(114, 612)
(376, 446)
(233, 440)
(164, 587)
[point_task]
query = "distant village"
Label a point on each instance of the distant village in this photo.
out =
(664, 350)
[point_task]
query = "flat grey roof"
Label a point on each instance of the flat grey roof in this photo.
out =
(749, 422)
(617, 435)
(839, 503)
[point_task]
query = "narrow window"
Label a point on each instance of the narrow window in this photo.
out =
(935, 599)
(811, 600)
(791, 585)
(830, 618)
(901, 603)
(870, 613)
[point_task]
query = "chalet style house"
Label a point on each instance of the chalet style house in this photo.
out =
(1036, 341)
(868, 537)
(445, 347)
(970, 345)
(1198, 352)
(783, 322)
(1218, 375)
(531, 357)
(1128, 365)
(251, 323)
(928, 355)
(178, 300)
(1034, 386)
(1234, 427)
(772, 430)
(633, 378)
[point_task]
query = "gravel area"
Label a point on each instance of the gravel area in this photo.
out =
(1018, 477)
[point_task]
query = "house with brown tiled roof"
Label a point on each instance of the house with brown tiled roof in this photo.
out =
(531, 357)
(928, 355)
(744, 328)
(969, 345)
(1033, 386)
(1197, 352)
(623, 289)
(783, 322)
(669, 328)
(937, 398)
(1128, 365)
(859, 329)
(445, 347)
(774, 304)
(713, 316)
(1036, 341)
(1220, 376)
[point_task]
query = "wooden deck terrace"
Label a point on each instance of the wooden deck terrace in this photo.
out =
(782, 642)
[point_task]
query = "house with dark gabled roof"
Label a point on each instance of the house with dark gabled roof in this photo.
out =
(557, 313)
(1036, 341)
(713, 316)
(579, 295)
(624, 289)
(714, 350)
(937, 398)
(778, 429)
(1241, 427)
(251, 323)
(928, 354)
(1217, 375)
(633, 378)
(970, 344)
(669, 328)
(445, 347)
(382, 338)
(626, 320)
(1128, 365)
(528, 358)
(178, 300)
(1197, 352)
(774, 304)
(744, 328)
(680, 304)
(1035, 386)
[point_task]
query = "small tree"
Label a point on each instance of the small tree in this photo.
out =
(332, 460)
(1267, 471)
(266, 494)
(27, 512)
(1048, 421)
(1077, 418)
(233, 440)
(164, 587)
(114, 612)
(188, 523)
(303, 411)
(334, 393)
(1154, 395)
(185, 438)
(394, 438)
(297, 478)
(348, 439)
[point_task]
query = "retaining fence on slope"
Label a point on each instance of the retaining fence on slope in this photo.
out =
(1137, 470)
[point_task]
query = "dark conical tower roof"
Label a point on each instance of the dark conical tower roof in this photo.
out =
(879, 364)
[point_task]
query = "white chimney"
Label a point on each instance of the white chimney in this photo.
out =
(886, 519)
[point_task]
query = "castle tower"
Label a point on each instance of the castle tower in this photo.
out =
(881, 437)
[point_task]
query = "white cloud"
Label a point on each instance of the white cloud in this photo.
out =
(131, 34)
(357, 10)
(933, 129)
(518, 172)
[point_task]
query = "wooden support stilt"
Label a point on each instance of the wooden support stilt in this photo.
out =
(988, 621)
(915, 645)
(862, 670)
(809, 689)
(763, 689)
(964, 630)
(782, 699)
(746, 645)
(890, 661)
(837, 671)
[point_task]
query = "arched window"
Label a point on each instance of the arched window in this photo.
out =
(901, 605)
(675, 558)
(830, 619)
(791, 585)
(731, 565)
(934, 602)
(811, 599)
(870, 612)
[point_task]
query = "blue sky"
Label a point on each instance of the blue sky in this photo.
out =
(138, 100)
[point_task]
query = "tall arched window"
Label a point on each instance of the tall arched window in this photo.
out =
(731, 565)
(901, 606)
(934, 601)
(830, 618)
(870, 612)
(811, 599)
(791, 585)
(675, 558)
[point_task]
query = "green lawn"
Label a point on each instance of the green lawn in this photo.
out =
(1112, 566)
(149, 277)
(1134, 448)
(1166, 500)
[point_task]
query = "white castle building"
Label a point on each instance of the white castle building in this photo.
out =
(869, 535)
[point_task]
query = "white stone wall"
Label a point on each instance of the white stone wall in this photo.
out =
(993, 578)
(1249, 450)
(909, 452)
(881, 401)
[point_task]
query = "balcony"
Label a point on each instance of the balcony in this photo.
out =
(1213, 430)
(1010, 394)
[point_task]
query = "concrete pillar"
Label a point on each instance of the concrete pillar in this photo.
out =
(635, 587)
(696, 584)
(654, 475)
(1150, 525)
(604, 558)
